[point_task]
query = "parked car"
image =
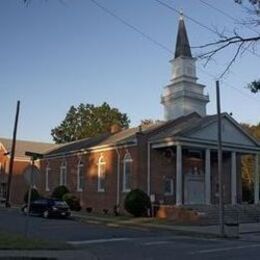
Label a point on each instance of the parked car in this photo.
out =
(48, 208)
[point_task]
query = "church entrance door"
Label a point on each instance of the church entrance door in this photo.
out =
(194, 188)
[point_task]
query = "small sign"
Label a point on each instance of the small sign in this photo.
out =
(31, 171)
(152, 198)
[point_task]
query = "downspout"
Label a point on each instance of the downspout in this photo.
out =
(148, 169)
(118, 179)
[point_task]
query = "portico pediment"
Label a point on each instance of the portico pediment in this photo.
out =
(232, 133)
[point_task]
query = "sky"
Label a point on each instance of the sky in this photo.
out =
(59, 53)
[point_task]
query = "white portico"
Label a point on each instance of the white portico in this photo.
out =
(192, 137)
(193, 140)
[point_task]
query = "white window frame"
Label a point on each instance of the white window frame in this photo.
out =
(63, 167)
(101, 163)
(79, 169)
(47, 172)
(127, 159)
(171, 186)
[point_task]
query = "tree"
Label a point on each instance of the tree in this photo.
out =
(241, 43)
(247, 163)
(88, 120)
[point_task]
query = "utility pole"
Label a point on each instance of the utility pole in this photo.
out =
(34, 157)
(220, 154)
(11, 163)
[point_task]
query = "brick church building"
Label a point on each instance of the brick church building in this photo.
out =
(174, 160)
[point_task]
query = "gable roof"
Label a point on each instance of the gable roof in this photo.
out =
(192, 125)
(125, 136)
(177, 126)
(22, 146)
(181, 127)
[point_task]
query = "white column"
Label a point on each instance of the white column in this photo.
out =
(256, 179)
(233, 178)
(178, 175)
(207, 178)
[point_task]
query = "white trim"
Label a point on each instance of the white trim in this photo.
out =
(118, 178)
(202, 144)
(179, 199)
(127, 159)
(20, 159)
(101, 163)
(256, 179)
(96, 149)
(47, 172)
(80, 166)
(63, 167)
(208, 176)
(148, 169)
(233, 178)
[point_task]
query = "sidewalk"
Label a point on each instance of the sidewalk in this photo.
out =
(47, 254)
(212, 230)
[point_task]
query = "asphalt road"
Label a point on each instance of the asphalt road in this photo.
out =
(103, 242)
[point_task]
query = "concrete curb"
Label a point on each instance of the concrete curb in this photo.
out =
(179, 230)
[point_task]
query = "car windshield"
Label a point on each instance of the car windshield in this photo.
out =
(60, 203)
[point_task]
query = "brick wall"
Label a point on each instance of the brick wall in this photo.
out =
(90, 196)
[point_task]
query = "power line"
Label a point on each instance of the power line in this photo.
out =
(188, 17)
(126, 23)
(227, 15)
(160, 45)
(230, 86)
(199, 23)
(208, 5)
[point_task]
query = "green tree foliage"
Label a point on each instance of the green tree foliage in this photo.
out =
(73, 201)
(247, 165)
(137, 203)
(88, 120)
(59, 192)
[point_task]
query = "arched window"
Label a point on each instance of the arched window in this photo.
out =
(63, 173)
(47, 173)
(101, 173)
(80, 176)
(127, 173)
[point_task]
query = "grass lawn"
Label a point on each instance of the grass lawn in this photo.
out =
(12, 241)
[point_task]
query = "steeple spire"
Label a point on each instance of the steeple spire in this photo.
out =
(182, 43)
(183, 95)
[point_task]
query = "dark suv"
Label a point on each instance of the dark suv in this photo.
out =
(48, 208)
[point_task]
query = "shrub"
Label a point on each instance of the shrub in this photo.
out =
(73, 201)
(34, 195)
(89, 209)
(59, 192)
(137, 203)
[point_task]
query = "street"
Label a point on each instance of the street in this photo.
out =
(96, 241)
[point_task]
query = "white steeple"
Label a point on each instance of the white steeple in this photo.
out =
(183, 95)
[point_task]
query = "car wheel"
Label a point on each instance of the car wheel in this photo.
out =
(25, 210)
(46, 214)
